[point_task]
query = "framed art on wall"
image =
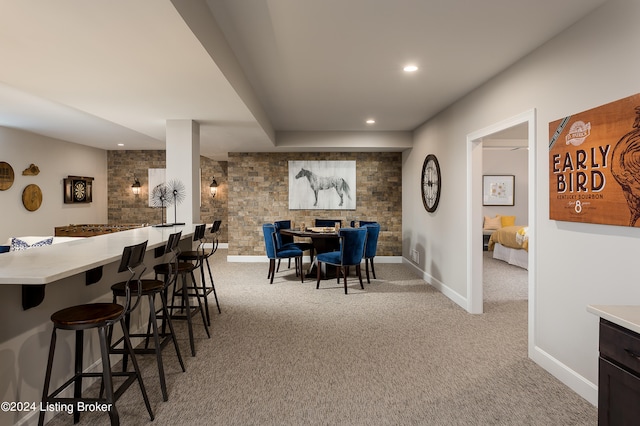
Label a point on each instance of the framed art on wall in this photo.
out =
(593, 165)
(498, 190)
(322, 185)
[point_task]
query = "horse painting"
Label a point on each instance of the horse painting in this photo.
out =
(320, 183)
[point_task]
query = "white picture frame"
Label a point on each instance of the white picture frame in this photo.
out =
(498, 190)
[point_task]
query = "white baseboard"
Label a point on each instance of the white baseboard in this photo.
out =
(560, 371)
(438, 285)
(220, 245)
(576, 382)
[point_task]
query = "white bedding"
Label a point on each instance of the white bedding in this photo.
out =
(512, 256)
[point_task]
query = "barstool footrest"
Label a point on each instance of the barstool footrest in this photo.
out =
(53, 396)
(165, 340)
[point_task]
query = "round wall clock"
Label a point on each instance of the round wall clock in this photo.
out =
(32, 197)
(430, 183)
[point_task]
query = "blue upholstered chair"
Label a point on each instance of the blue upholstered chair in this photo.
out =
(274, 251)
(287, 240)
(352, 242)
(327, 223)
(370, 249)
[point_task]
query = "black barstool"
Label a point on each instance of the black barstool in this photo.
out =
(201, 257)
(171, 272)
(151, 289)
(101, 316)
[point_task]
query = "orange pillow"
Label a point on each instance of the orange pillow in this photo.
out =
(491, 223)
(508, 220)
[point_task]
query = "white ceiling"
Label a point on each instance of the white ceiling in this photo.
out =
(104, 72)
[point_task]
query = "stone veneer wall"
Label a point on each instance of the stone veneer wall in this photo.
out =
(125, 207)
(258, 193)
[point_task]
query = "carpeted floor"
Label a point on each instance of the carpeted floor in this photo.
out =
(396, 353)
(503, 282)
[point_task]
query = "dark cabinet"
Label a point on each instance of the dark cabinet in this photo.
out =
(618, 376)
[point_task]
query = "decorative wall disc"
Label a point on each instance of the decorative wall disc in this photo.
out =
(6, 176)
(32, 197)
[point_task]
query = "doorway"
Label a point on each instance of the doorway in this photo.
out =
(475, 208)
(505, 157)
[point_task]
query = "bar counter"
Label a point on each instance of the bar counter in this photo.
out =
(35, 267)
(44, 265)
(61, 269)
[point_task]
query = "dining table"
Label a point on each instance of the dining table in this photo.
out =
(323, 240)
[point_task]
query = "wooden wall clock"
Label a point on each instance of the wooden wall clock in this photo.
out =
(32, 197)
(430, 183)
(78, 189)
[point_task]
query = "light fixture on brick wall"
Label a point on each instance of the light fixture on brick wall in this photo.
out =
(213, 187)
(135, 188)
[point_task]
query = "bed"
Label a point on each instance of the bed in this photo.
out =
(511, 244)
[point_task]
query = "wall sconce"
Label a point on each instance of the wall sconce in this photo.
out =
(135, 188)
(213, 187)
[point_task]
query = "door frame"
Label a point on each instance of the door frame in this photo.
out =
(474, 207)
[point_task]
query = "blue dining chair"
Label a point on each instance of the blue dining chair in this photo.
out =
(370, 249)
(274, 251)
(352, 242)
(287, 241)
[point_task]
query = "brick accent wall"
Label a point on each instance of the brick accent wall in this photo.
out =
(258, 193)
(125, 207)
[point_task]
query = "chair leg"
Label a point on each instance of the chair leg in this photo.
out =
(186, 305)
(77, 385)
(167, 320)
(204, 292)
(366, 267)
(373, 269)
(272, 269)
(359, 272)
(156, 342)
(213, 287)
(47, 377)
(345, 279)
(318, 267)
(299, 261)
(106, 373)
(278, 267)
(200, 305)
(136, 367)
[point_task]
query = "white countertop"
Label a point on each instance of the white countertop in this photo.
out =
(627, 316)
(43, 265)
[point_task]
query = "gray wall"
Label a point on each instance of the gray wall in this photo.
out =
(590, 64)
(56, 160)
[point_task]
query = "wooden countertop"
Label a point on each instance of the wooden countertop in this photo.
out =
(627, 316)
(44, 265)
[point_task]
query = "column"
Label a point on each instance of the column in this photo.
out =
(183, 164)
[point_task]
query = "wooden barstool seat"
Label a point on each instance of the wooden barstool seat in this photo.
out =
(100, 316)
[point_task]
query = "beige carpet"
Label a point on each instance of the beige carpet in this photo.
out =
(396, 353)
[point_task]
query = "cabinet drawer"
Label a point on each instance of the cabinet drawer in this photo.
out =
(620, 345)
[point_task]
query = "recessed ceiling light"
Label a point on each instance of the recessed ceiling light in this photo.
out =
(410, 68)
(120, 144)
(371, 121)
